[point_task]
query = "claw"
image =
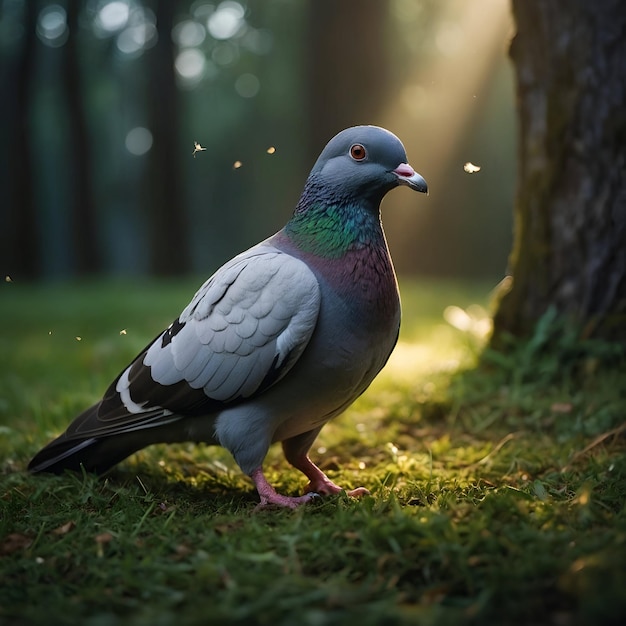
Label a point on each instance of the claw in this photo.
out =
(328, 488)
(269, 497)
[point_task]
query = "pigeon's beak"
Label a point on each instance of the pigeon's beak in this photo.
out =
(409, 177)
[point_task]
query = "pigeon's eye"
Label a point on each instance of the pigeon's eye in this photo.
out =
(357, 152)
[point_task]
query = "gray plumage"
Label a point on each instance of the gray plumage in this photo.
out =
(277, 342)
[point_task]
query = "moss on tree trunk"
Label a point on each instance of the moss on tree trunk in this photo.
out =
(569, 249)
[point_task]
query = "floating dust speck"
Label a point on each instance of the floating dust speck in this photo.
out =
(470, 168)
(237, 165)
(123, 331)
(197, 148)
(8, 279)
(271, 150)
(79, 338)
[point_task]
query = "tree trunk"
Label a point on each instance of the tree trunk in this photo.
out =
(83, 219)
(569, 249)
(164, 204)
(20, 252)
(347, 50)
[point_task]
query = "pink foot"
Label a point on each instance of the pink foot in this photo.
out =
(324, 486)
(320, 483)
(268, 494)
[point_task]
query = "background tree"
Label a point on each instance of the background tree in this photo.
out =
(570, 212)
(348, 66)
(83, 219)
(102, 102)
(21, 252)
(164, 205)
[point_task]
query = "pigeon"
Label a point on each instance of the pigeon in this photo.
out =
(281, 339)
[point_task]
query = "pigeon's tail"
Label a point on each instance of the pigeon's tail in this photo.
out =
(71, 454)
(86, 445)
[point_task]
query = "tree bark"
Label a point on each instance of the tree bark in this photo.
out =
(569, 247)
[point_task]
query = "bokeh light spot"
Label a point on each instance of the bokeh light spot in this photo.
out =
(113, 16)
(138, 140)
(190, 64)
(247, 85)
(226, 21)
(135, 39)
(188, 34)
(224, 53)
(52, 26)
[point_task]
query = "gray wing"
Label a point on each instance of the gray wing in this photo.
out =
(242, 332)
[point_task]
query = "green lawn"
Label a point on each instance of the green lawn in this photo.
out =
(498, 494)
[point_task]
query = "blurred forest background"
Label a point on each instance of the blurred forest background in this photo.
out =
(102, 101)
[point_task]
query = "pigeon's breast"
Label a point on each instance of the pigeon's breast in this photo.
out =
(357, 329)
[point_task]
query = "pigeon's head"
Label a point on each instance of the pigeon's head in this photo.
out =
(364, 163)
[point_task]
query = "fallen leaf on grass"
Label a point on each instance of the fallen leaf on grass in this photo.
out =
(228, 527)
(14, 542)
(435, 594)
(181, 551)
(163, 507)
(64, 529)
(351, 535)
(562, 407)
(104, 538)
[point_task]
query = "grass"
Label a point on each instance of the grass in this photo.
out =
(498, 493)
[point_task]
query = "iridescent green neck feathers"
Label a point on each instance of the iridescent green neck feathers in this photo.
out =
(331, 227)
